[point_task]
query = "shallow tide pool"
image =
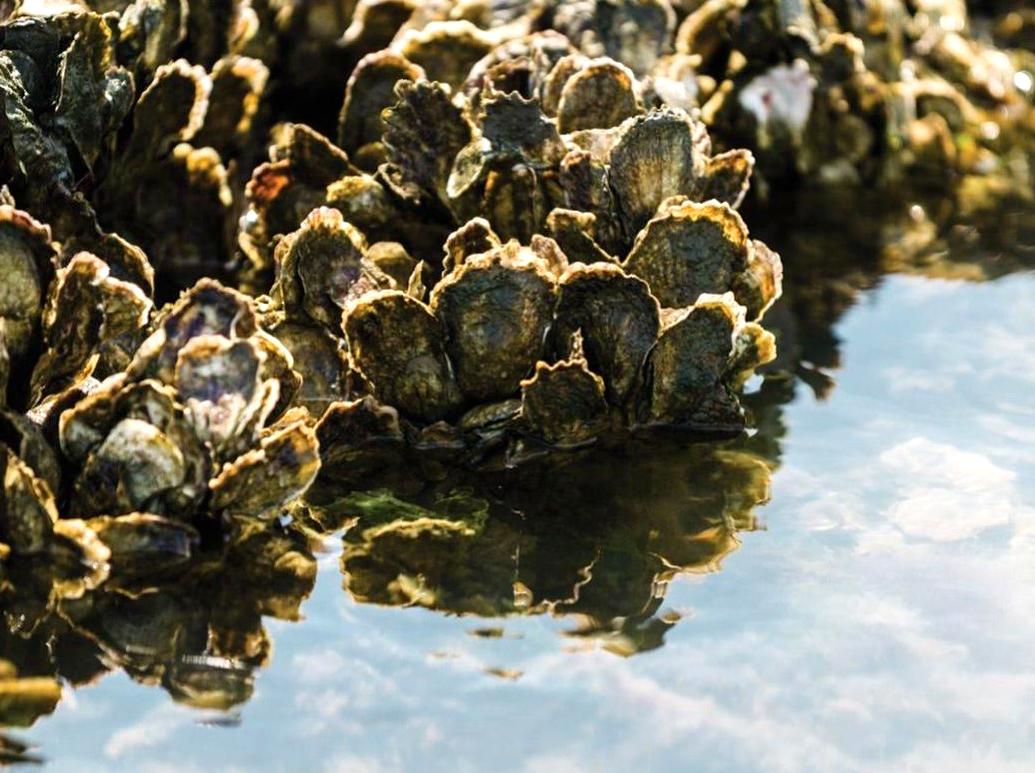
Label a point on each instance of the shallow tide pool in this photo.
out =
(852, 588)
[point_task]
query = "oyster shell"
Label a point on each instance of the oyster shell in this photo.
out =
(400, 348)
(564, 403)
(689, 366)
(688, 249)
(618, 318)
(496, 309)
(322, 266)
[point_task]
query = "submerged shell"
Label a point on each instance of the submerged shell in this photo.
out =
(619, 321)
(145, 546)
(400, 348)
(496, 312)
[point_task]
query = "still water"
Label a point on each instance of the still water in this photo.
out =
(850, 588)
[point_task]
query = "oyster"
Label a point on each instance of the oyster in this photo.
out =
(400, 348)
(190, 421)
(496, 309)
(688, 367)
(618, 318)
(564, 403)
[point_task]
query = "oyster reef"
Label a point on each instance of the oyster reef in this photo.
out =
(248, 245)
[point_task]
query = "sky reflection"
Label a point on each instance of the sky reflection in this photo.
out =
(883, 618)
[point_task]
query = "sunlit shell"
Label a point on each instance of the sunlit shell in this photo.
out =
(688, 366)
(659, 155)
(601, 94)
(496, 312)
(400, 347)
(619, 321)
(264, 480)
(564, 403)
(688, 249)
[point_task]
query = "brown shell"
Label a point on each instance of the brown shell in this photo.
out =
(688, 249)
(208, 308)
(264, 480)
(600, 95)
(496, 313)
(399, 346)
(446, 50)
(322, 266)
(27, 264)
(619, 320)
(371, 89)
(473, 237)
(145, 546)
(219, 383)
(92, 323)
(564, 403)
(137, 451)
(27, 508)
(659, 155)
(761, 282)
(688, 366)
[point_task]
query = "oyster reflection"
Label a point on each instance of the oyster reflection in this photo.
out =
(594, 539)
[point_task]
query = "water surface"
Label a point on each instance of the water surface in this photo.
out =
(851, 588)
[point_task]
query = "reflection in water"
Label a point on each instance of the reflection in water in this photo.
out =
(199, 638)
(597, 537)
(594, 538)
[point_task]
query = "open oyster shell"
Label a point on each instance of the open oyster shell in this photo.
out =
(188, 430)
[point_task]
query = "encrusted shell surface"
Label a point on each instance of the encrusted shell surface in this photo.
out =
(601, 94)
(619, 320)
(322, 266)
(564, 403)
(264, 480)
(658, 155)
(687, 368)
(208, 308)
(138, 451)
(27, 508)
(371, 89)
(27, 264)
(496, 312)
(219, 383)
(688, 249)
(400, 347)
(91, 325)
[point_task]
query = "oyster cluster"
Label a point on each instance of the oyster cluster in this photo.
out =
(244, 245)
